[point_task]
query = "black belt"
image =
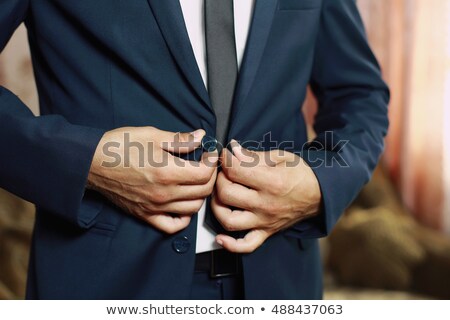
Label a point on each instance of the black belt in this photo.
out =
(218, 263)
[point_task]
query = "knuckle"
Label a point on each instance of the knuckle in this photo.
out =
(254, 205)
(277, 185)
(157, 176)
(198, 204)
(230, 227)
(163, 197)
(159, 197)
(204, 177)
(220, 194)
(194, 207)
(208, 190)
(228, 224)
(219, 181)
(162, 177)
(224, 195)
(270, 208)
(233, 173)
(152, 197)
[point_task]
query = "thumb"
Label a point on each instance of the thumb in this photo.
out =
(261, 158)
(182, 142)
(255, 158)
(243, 154)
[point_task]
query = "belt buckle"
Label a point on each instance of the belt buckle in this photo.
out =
(230, 259)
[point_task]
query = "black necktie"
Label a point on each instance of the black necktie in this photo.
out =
(222, 72)
(221, 61)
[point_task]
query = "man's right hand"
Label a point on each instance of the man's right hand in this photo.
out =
(134, 167)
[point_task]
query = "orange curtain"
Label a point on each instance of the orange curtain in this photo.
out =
(411, 40)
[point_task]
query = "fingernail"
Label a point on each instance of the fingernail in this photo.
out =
(220, 242)
(235, 146)
(198, 135)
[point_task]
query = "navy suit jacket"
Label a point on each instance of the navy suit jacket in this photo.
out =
(105, 64)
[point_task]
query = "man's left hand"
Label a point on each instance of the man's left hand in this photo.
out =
(263, 192)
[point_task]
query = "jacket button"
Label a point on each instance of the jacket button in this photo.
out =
(181, 244)
(209, 144)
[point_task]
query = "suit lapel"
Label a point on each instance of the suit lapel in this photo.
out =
(263, 14)
(169, 16)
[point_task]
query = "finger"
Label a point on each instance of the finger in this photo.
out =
(160, 220)
(179, 171)
(260, 158)
(178, 142)
(234, 220)
(167, 223)
(192, 192)
(244, 154)
(236, 195)
(185, 207)
(252, 240)
(255, 177)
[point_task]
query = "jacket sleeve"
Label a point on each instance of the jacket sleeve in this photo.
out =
(45, 159)
(352, 120)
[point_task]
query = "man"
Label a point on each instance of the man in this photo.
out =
(135, 97)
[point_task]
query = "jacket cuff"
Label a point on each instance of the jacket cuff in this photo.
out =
(82, 206)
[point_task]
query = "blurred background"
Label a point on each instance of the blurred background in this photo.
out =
(394, 241)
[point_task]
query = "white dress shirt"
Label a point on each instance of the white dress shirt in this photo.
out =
(194, 19)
